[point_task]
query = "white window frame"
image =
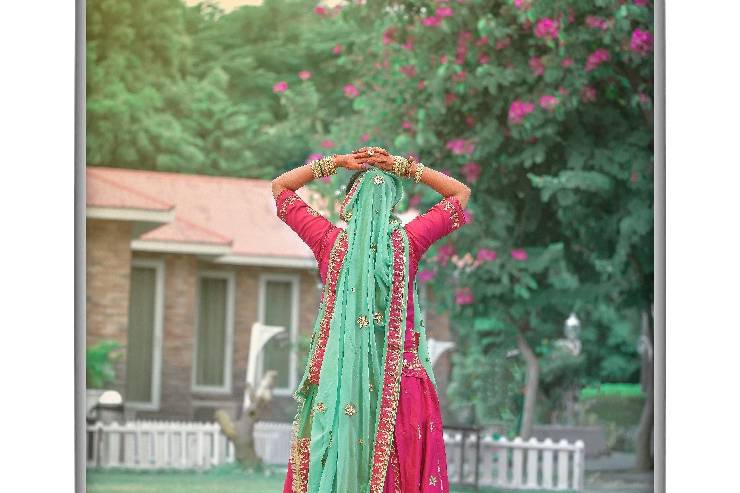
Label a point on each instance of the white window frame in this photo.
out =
(158, 266)
(226, 388)
(294, 279)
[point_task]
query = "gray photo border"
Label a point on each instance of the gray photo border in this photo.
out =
(80, 244)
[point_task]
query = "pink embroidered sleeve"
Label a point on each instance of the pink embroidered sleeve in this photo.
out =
(440, 220)
(311, 227)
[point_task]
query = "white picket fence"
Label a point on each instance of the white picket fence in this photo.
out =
(177, 445)
(515, 464)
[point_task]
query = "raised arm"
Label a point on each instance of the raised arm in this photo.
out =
(298, 177)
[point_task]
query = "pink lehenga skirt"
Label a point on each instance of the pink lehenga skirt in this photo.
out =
(418, 463)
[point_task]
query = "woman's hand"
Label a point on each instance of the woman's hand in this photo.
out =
(380, 158)
(350, 161)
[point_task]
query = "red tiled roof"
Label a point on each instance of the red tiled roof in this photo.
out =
(208, 209)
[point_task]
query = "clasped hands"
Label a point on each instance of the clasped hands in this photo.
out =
(364, 157)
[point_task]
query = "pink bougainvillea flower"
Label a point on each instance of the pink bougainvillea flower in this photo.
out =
(461, 146)
(459, 76)
(566, 62)
(337, 49)
(548, 102)
(443, 12)
(641, 3)
(546, 28)
(304, 74)
(464, 296)
(432, 21)
(643, 98)
(522, 4)
(519, 254)
(596, 58)
(408, 70)
(320, 9)
(407, 125)
(471, 171)
(535, 63)
(444, 254)
(350, 90)
(503, 43)
(313, 157)
(408, 45)
(588, 94)
(563, 91)
(485, 255)
(597, 22)
(327, 143)
(388, 35)
(470, 120)
(482, 41)
(426, 275)
(484, 59)
(518, 110)
(281, 86)
(641, 42)
(365, 137)
(633, 177)
(421, 84)
(443, 59)
(450, 98)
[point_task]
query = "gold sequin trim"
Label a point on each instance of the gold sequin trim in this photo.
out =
(378, 317)
(452, 209)
(432, 481)
(292, 197)
(362, 321)
(312, 211)
(319, 408)
(350, 410)
(378, 180)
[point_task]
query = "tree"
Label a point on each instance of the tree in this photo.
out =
(544, 108)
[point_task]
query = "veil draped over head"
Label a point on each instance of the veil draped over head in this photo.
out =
(348, 395)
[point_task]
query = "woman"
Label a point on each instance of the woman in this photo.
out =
(368, 416)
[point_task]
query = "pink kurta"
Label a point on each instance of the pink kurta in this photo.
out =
(418, 462)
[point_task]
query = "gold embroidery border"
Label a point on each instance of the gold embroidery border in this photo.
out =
(392, 371)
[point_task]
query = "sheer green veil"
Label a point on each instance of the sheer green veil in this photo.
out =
(348, 395)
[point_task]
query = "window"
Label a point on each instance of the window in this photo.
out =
(279, 306)
(144, 346)
(214, 332)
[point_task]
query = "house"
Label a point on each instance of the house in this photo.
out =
(179, 268)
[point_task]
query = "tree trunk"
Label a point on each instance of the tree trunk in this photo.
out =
(241, 431)
(531, 389)
(643, 440)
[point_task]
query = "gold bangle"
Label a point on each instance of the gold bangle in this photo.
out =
(418, 172)
(324, 166)
(401, 166)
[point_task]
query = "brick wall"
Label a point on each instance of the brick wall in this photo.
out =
(108, 266)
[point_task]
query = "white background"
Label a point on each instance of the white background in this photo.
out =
(703, 271)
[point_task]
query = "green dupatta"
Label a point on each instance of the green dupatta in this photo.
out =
(348, 395)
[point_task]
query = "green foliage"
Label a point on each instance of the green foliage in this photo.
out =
(612, 390)
(100, 362)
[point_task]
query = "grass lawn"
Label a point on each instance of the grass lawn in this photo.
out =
(220, 480)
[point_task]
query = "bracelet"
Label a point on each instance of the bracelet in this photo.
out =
(401, 166)
(324, 166)
(419, 171)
